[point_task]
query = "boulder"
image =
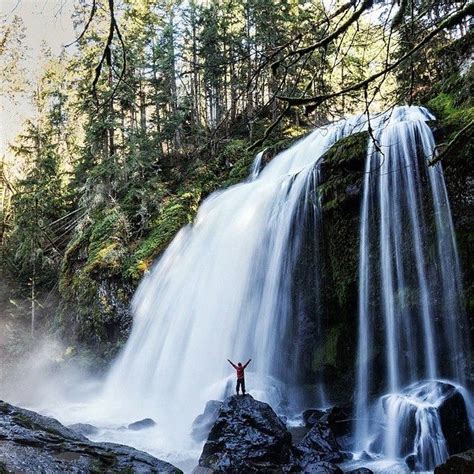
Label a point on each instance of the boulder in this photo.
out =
(338, 418)
(203, 422)
(320, 467)
(84, 429)
(298, 433)
(247, 436)
(141, 424)
(311, 416)
(439, 404)
(318, 445)
(462, 463)
(410, 461)
(449, 404)
(455, 422)
(34, 443)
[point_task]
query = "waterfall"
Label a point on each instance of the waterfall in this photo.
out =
(243, 281)
(224, 288)
(410, 291)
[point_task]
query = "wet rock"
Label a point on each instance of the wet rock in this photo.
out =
(429, 401)
(84, 429)
(321, 467)
(34, 443)
(462, 463)
(311, 416)
(410, 461)
(203, 422)
(455, 421)
(319, 445)
(347, 455)
(365, 456)
(202, 470)
(298, 433)
(338, 419)
(247, 436)
(361, 470)
(141, 424)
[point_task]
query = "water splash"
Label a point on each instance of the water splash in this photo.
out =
(414, 428)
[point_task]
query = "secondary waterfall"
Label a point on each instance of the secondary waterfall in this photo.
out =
(224, 288)
(410, 291)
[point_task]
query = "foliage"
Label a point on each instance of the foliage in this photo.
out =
(12, 55)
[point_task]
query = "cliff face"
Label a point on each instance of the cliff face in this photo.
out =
(340, 190)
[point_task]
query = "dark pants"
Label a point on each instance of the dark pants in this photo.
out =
(240, 384)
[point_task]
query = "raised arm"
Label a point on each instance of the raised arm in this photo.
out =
(232, 364)
(247, 363)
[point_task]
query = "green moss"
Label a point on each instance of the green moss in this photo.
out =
(327, 353)
(176, 212)
(342, 170)
(27, 422)
(442, 104)
(238, 159)
(347, 150)
(448, 112)
(455, 146)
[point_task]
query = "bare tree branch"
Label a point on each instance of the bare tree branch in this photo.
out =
(447, 23)
(455, 142)
(86, 27)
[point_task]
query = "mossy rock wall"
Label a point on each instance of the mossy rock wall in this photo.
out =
(105, 259)
(340, 189)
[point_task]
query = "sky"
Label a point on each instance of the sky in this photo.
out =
(46, 21)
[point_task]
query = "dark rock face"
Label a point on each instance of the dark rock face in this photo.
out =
(247, 437)
(320, 467)
(462, 463)
(337, 418)
(142, 424)
(318, 445)
(34, 443)
(455, 423)
(83, 429)
(203, 423)
(312, 416)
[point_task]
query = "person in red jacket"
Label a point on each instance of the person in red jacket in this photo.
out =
(240, 375)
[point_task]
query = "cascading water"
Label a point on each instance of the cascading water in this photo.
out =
(257, 165)
(409, 288)
(224, 288)
(245, 281)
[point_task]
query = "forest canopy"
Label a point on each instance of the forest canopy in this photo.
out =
(150, 91)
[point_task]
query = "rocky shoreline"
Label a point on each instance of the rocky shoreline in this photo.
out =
(242, 435)
(30, 442)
